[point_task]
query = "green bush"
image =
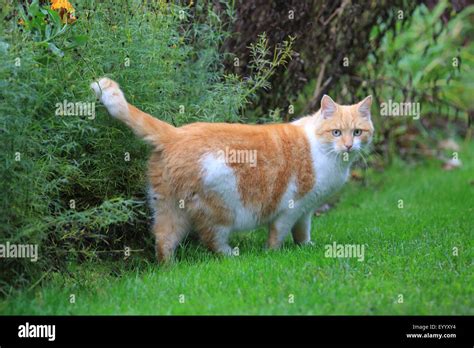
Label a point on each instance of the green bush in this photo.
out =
(426, 60)
(66, 182)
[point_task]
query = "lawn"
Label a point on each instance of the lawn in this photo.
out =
(418, 260)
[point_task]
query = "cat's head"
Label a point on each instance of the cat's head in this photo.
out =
(344, 128)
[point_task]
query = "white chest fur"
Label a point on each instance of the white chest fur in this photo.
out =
(331, 171)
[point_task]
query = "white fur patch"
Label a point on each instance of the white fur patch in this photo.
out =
(111, 96)
(220, 178)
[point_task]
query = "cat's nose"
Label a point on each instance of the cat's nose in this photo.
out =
(348, 147)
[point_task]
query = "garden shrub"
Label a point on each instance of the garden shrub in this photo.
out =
(75, 185)
(434, 72)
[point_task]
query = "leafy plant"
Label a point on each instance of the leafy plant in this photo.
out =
(66, 182)
(427, 61)
(47, 26)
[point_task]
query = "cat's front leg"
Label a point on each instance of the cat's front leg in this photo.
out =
(301, 231)
(217, 239)
(277, 231)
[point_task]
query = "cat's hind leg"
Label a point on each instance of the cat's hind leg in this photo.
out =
(170, 228)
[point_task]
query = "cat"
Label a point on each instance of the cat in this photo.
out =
(217, 178)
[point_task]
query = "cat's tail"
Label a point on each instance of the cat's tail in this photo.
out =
(147, 127)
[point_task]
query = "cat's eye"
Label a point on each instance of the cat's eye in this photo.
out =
(357, 132)
(336, 132)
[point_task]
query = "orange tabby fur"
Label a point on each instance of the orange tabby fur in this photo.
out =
(192, 190)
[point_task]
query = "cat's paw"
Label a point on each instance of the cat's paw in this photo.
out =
(307, 243)
(109, 93)
(225, 250)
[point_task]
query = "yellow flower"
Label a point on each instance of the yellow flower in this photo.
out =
(64, 9)
(62, 4)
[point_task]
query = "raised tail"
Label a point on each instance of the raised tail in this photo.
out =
(147, 127)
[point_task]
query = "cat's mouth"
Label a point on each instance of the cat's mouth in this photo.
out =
(352, 150)
(347, 155)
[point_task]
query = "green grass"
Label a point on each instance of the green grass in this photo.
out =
(408, 251)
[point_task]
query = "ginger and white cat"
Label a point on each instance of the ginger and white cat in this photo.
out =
(195, 188)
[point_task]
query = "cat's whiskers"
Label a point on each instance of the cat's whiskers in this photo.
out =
(331, 151)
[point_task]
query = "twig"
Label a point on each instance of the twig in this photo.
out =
(39, 280)
(338, 12)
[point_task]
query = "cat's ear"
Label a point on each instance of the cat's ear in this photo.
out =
(364, 106)
(328, 106)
